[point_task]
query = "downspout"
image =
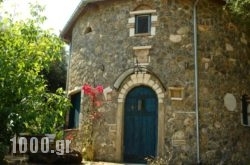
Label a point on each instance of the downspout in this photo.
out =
(68, 70)
(196, 81)
(67, 84)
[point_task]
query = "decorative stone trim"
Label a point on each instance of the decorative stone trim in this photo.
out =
(131, 22)
(154, 18)
(142, 47)
(74, 91)
(131, 31)
(141, 79)
(176, 93)
(178, 139)
(121, 78)
(142, 55)
(142, 12)
(107, 92)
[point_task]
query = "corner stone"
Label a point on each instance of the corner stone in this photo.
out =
(229, 47)
(183, 30)
(175, 38)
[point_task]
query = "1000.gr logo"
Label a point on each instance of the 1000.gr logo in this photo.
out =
(34, 145)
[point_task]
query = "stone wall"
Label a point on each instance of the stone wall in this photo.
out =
(224, 68)
(102, 54)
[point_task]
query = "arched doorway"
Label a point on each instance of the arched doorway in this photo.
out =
(140, 124)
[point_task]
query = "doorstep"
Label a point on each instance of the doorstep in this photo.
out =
(10, 159)
(108, 163)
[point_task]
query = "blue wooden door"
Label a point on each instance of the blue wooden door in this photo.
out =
(140, 124)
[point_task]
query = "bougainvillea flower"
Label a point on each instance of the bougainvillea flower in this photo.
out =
(69, 137)
(95, 115)
(93, 94)
(87, 89)
(98, 103)
(99, 88)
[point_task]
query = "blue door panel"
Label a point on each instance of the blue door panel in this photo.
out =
(140, 124)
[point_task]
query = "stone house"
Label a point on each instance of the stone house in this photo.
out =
(174, 72)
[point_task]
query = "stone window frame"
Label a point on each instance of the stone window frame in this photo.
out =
(132, 22)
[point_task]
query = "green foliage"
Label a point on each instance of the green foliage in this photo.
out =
(165, 159)
(49, 114)
(56, 75)
(25, 51)
(3, 150)
(241, 9)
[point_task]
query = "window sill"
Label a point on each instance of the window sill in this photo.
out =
(142, 34)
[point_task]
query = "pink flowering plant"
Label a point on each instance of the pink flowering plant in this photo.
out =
(92, 102)
(70, 136)
(94, 95)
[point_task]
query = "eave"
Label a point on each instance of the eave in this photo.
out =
(66, 33)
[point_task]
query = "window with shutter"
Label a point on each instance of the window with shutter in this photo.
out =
(142, 23)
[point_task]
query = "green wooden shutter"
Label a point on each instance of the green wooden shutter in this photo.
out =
(75, 110)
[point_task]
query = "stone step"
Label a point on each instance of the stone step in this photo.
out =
(109, 163)
(9, 159)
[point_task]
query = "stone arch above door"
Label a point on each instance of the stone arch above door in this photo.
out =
(141, 79)
(129, 82)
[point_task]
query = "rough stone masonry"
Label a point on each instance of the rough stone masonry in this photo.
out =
(102, 50)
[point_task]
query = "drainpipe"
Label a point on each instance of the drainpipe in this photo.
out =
(68, 69)
(67, 85)
(196, 81)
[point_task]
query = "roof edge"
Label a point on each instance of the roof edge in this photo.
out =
(67, 30)
(66, 33)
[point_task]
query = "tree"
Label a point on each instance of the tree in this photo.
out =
(26, 50)
(56, 75)
(241, 9)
